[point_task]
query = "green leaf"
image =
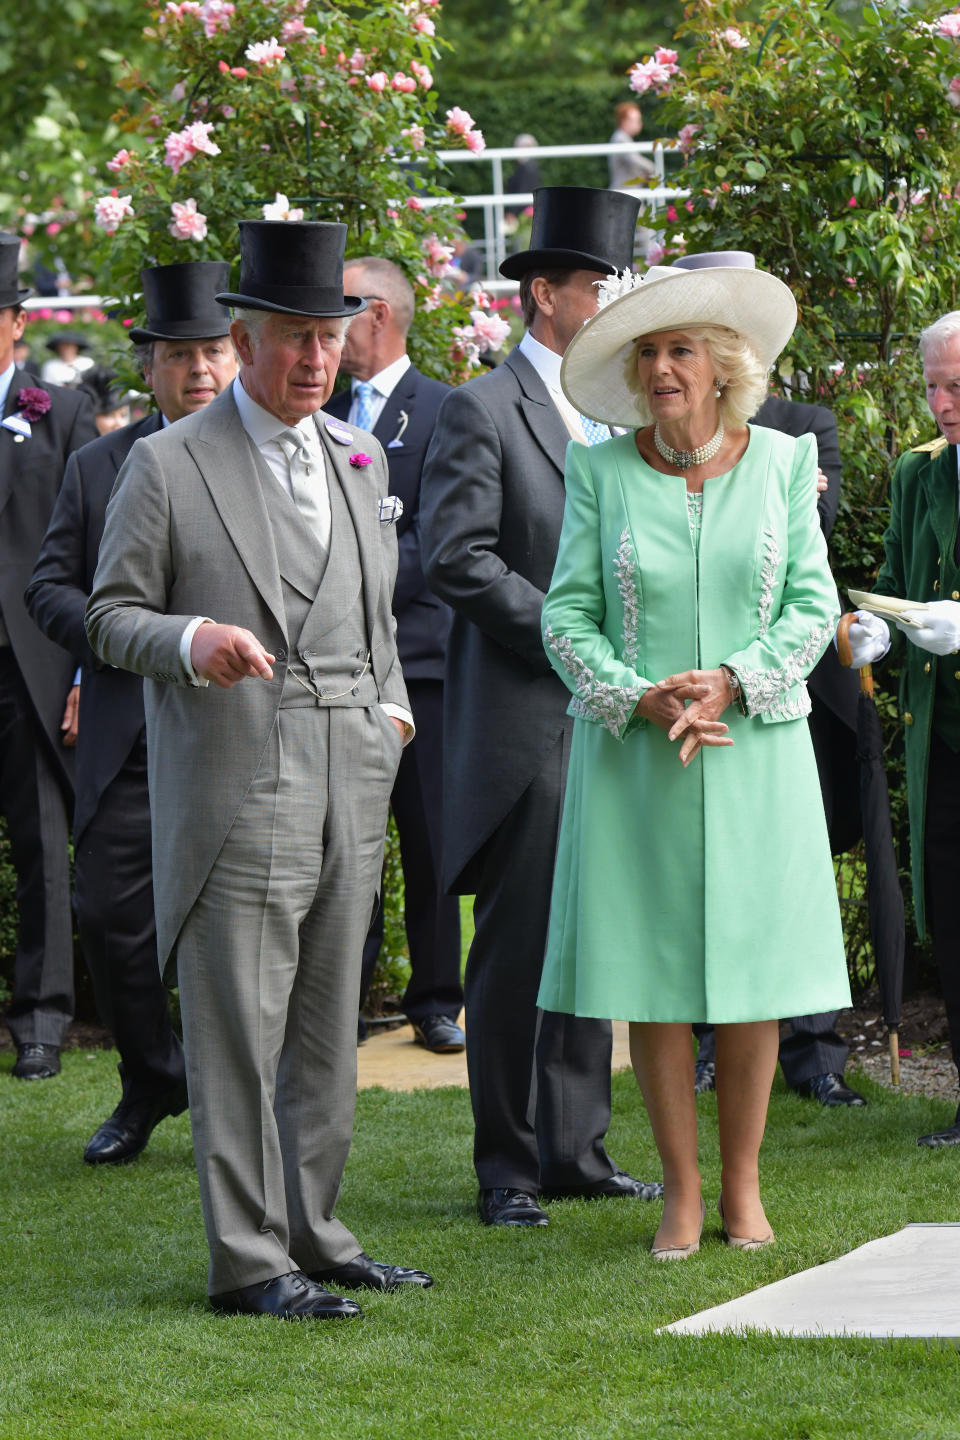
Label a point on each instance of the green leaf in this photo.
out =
(796, 137)
(755, 170)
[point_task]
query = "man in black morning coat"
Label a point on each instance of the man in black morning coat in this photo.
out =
(40, 426)
(491, 509)
(187, 359)
(390, 398)
(813, 1055)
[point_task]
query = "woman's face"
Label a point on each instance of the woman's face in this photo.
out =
(677, 376)
(113, 420)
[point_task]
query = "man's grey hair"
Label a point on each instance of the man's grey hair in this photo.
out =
(383, 280)
(254, 321)
(938, 335)
(143, 354)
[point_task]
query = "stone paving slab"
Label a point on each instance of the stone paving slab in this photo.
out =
(898, 1286)
(393, 1059)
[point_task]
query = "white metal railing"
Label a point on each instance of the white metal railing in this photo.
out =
(497, 201)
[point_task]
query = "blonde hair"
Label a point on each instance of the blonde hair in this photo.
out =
(734, 361)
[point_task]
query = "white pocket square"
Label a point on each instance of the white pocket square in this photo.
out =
(391, 508)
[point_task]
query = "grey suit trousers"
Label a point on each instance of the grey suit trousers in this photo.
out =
(269, 971)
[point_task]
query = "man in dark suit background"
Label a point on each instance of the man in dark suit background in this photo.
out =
(491, 508)
(813, 1055)
(187, 358)
(391, 398)
(41, 425)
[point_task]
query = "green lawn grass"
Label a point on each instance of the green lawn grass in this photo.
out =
(104, 1330)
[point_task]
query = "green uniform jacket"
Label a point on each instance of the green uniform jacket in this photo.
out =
(919, 565)
(704, 893)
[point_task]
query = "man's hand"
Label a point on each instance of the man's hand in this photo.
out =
(939, 627)
(699, 722)
(71, 715)
(400, 726)
(225, 654)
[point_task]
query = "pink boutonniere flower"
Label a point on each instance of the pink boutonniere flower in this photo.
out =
(32, 402)
(359, 460)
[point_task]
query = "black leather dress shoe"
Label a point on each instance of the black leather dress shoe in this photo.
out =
(36, 1062)
(286, 1297)
(941, 1138)
(830, 1089)
(506, 1206)
(704, 1077)
(618, 1186)
(124, 1135)
(439, 1034)
(362, 1273)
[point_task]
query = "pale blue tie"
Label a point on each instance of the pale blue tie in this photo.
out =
(364, 398)
(595, 432)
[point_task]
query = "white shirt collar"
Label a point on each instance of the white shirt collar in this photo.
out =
(6, 380)
(386, 380)
(261, 426)
(546, 362)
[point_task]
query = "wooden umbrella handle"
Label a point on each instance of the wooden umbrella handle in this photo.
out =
(845, 654)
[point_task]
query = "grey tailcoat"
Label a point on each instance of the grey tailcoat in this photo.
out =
(187, 534)
(491, 507)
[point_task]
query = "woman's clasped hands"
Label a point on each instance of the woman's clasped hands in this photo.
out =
(688, 707)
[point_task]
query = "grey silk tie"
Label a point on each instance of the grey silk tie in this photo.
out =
(309, 484)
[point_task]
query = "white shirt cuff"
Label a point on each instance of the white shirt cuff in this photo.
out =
(397, 712)
(186, 639)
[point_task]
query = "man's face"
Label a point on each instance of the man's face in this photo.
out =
(573, 303)
(12, 321)
(185, 375)
(941, 374)
(290, 367)
(357, 357)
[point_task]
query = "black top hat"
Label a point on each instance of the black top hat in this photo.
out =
(11, 291)
(577, 227)
(307, 255)
(68, 337)
(180, 301)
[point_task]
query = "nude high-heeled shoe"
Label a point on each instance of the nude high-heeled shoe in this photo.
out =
(680, 1252)
(742, 1242)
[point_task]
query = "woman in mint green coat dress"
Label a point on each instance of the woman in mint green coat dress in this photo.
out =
(694, 880)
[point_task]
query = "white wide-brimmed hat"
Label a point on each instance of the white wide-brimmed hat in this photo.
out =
(600, 358)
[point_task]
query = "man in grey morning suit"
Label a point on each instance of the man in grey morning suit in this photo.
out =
(491, 507)
(253, 546)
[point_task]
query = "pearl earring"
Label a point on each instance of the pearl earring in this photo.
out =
(718, 390)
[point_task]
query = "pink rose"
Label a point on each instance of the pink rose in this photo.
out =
(239, 72)
(296, 30)
(187, 223)
(949, 25)
(423, 74)
(359, 460)
(393, 214)
(181, 145)
(732, 37)
(490, 331)
(403, 83)
(852, 203)
(475, 142)
(413, 203)
(415, 136)
(216, 16)
(438, 256)
(265, 53)
(459, 122)
(655, 253)
(424, 25)
(686, 139)
(665, 57)
(122, 157)
(671, 213)
(377, 82)
(111, 210)
(53, 228)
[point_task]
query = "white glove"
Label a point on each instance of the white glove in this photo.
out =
(939, 627)
(869, 638)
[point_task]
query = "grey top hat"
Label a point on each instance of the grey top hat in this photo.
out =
(306, 256)
(180, 301)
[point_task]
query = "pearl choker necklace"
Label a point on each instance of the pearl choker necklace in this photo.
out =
(683, 459)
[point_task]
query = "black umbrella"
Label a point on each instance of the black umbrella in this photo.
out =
(884, 896)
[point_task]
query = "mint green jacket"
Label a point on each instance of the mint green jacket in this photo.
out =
(704, 893)
(919, 565)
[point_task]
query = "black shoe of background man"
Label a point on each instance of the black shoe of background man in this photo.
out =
(124, 1135)
(618, 1186)
(942, 1138)
(286, 1297)
(704, 1077)
(362, 1273)
(507, 1206)
(36, 1061)
(439, 1034)
(830, 1089)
